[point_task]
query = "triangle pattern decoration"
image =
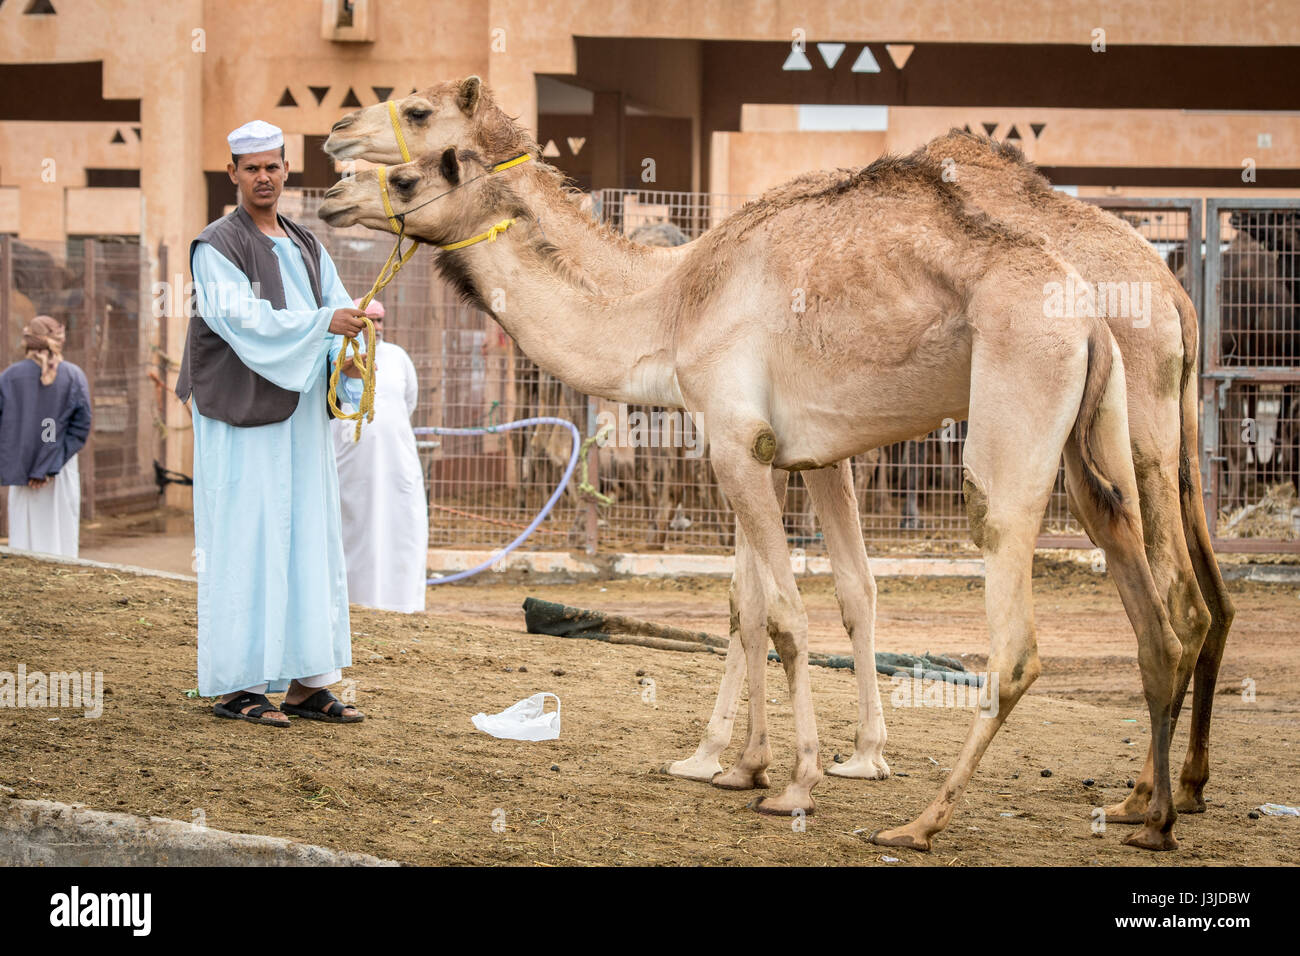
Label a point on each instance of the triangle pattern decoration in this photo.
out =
(831, 53)
(899, 52)
(866, 62)
(797, 60)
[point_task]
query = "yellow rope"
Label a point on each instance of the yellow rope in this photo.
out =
(364, 361)
(489, 236)
(584, 485)
(502, 167)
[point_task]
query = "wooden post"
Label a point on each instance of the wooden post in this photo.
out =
(92, 351)
(162, 362)
(6, 286)
(593, 478)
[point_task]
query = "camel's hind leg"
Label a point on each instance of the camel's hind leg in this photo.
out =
(833, 498)
(1011, 457)
(1199, 609)
(1196, 770)
(1120, 534)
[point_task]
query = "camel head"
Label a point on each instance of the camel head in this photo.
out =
(443, 197)
(458, 112)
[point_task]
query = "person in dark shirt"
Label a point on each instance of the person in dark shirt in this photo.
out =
(44, 422)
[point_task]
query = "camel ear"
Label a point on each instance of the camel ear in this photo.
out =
(467, 96)
(449, 166)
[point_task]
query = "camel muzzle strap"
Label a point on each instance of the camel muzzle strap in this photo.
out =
(397, 131)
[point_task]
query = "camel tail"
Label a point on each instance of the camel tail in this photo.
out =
(1188, 454)
(1107, 496)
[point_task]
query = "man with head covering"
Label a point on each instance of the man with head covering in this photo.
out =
(44, 422)
(385, 511)
(269, 312)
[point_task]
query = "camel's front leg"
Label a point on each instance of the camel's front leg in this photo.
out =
(705, 763)
(833, 498)
(742, 453)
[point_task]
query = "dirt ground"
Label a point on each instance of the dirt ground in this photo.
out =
(417, 783)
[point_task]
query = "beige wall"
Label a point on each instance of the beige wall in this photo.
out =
(770, 149)
(96, 212)
(744, 164)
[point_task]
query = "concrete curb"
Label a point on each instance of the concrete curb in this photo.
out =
(45, 833)
(1264, 573)
(87, 563)
(451, 560)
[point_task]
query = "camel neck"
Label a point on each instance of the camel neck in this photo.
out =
(608, 345)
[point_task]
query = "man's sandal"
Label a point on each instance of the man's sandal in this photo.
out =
(232, 709)
(314, 708)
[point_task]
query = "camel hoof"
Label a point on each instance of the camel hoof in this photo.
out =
(901, 837)
(1188, 803)
(1149, 838)
(860, 768)
(692, 769)
(737, 779)
(1123, 813)
(783, 806)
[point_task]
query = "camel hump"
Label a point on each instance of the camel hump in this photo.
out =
(972, 149)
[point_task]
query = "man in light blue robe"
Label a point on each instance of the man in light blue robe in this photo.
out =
(272, 584)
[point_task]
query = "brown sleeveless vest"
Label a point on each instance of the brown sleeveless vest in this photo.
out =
(224, 387)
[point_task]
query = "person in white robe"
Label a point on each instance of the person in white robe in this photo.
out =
(272, 585)
(45, 420)
(385, 508)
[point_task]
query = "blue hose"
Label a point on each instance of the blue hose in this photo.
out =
(546, 509)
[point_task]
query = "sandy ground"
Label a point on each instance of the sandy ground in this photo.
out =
(416, 782)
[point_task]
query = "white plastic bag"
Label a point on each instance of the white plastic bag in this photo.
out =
(525, 720)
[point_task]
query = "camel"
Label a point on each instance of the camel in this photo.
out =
(1160, 352)
(463, 112)
(903, 328)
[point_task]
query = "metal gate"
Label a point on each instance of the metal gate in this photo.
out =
(1250, 407)
(100, 292)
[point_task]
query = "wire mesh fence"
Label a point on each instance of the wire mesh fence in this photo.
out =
(99, 291)
(1251, 390)
(662, 491)
(484, 489)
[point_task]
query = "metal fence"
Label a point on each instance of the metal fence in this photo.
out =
(1251, 380)
(484, 489)
(100, 292)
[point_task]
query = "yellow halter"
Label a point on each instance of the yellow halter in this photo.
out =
(364, 361)
(397, 131)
